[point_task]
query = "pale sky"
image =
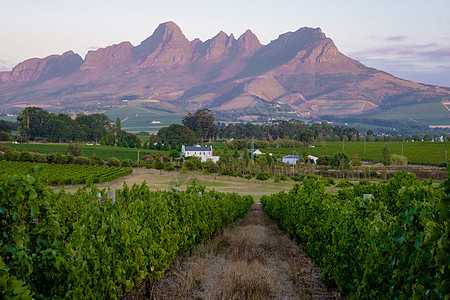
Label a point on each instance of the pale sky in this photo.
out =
(407, 38)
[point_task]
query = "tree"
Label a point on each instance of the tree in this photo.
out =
(31, 121)
(336, 138)
(202, 123)
(97, 125)
(73, 149)
(158, 164)
(174, 154)
(427, 137)
(417, 138)
(340, 160)
(386, 155)
(177, 134)
(113, 162)
(306, 136)
(210, 167)
(324, 160)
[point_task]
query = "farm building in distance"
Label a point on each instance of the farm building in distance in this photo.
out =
(292, 159)
(252, 151)
(204, 152)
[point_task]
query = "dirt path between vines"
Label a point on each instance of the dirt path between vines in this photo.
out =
(251, 259)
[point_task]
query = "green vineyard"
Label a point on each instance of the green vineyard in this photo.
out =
(387, 240)
(58, 245)
(57, 174)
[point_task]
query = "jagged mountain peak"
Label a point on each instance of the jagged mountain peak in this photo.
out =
(223, 72)
(249, 43)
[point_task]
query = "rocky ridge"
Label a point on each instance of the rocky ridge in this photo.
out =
(299, 71)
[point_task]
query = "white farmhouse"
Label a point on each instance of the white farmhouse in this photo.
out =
(205, 153)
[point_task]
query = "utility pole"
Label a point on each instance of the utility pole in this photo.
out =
(253, 149)
(138, 159)
(402, 149)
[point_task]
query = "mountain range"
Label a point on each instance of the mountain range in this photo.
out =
(301, 73)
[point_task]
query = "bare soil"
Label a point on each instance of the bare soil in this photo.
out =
(251, 259)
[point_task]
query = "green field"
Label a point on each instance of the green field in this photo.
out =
(104, 152)
(428, 153)
(136, 118)
(10, 119)
(416, 152)
(428, 113)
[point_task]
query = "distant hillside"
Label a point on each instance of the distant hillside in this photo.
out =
(301, 73)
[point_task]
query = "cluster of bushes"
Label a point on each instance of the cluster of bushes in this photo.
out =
(8, 154)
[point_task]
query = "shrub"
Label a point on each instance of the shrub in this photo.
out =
(40, 158)
(248, 176)
(262, 176)
(364, 182)
(127, 163)
(74, 149)
(344, 184)
(442, 164)
(10, 155)
(113, 162)
(397, 159)
(169, 168)
(81, 160)
(59, 158)
(324, 160)
(189, 165)
(279, 178)
(96, 160)
(4, 136)
(26, 156)
(340, 160)
(329, 181)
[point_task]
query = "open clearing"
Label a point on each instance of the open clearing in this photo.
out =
(157, 180)
(252, 259)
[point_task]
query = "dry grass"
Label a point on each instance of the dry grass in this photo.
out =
(243, 280)
(251, 259)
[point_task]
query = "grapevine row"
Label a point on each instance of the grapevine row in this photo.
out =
(56, 174)
(58, 245)
(394, 245)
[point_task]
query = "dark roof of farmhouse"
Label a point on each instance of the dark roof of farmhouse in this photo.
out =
(197, 148)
